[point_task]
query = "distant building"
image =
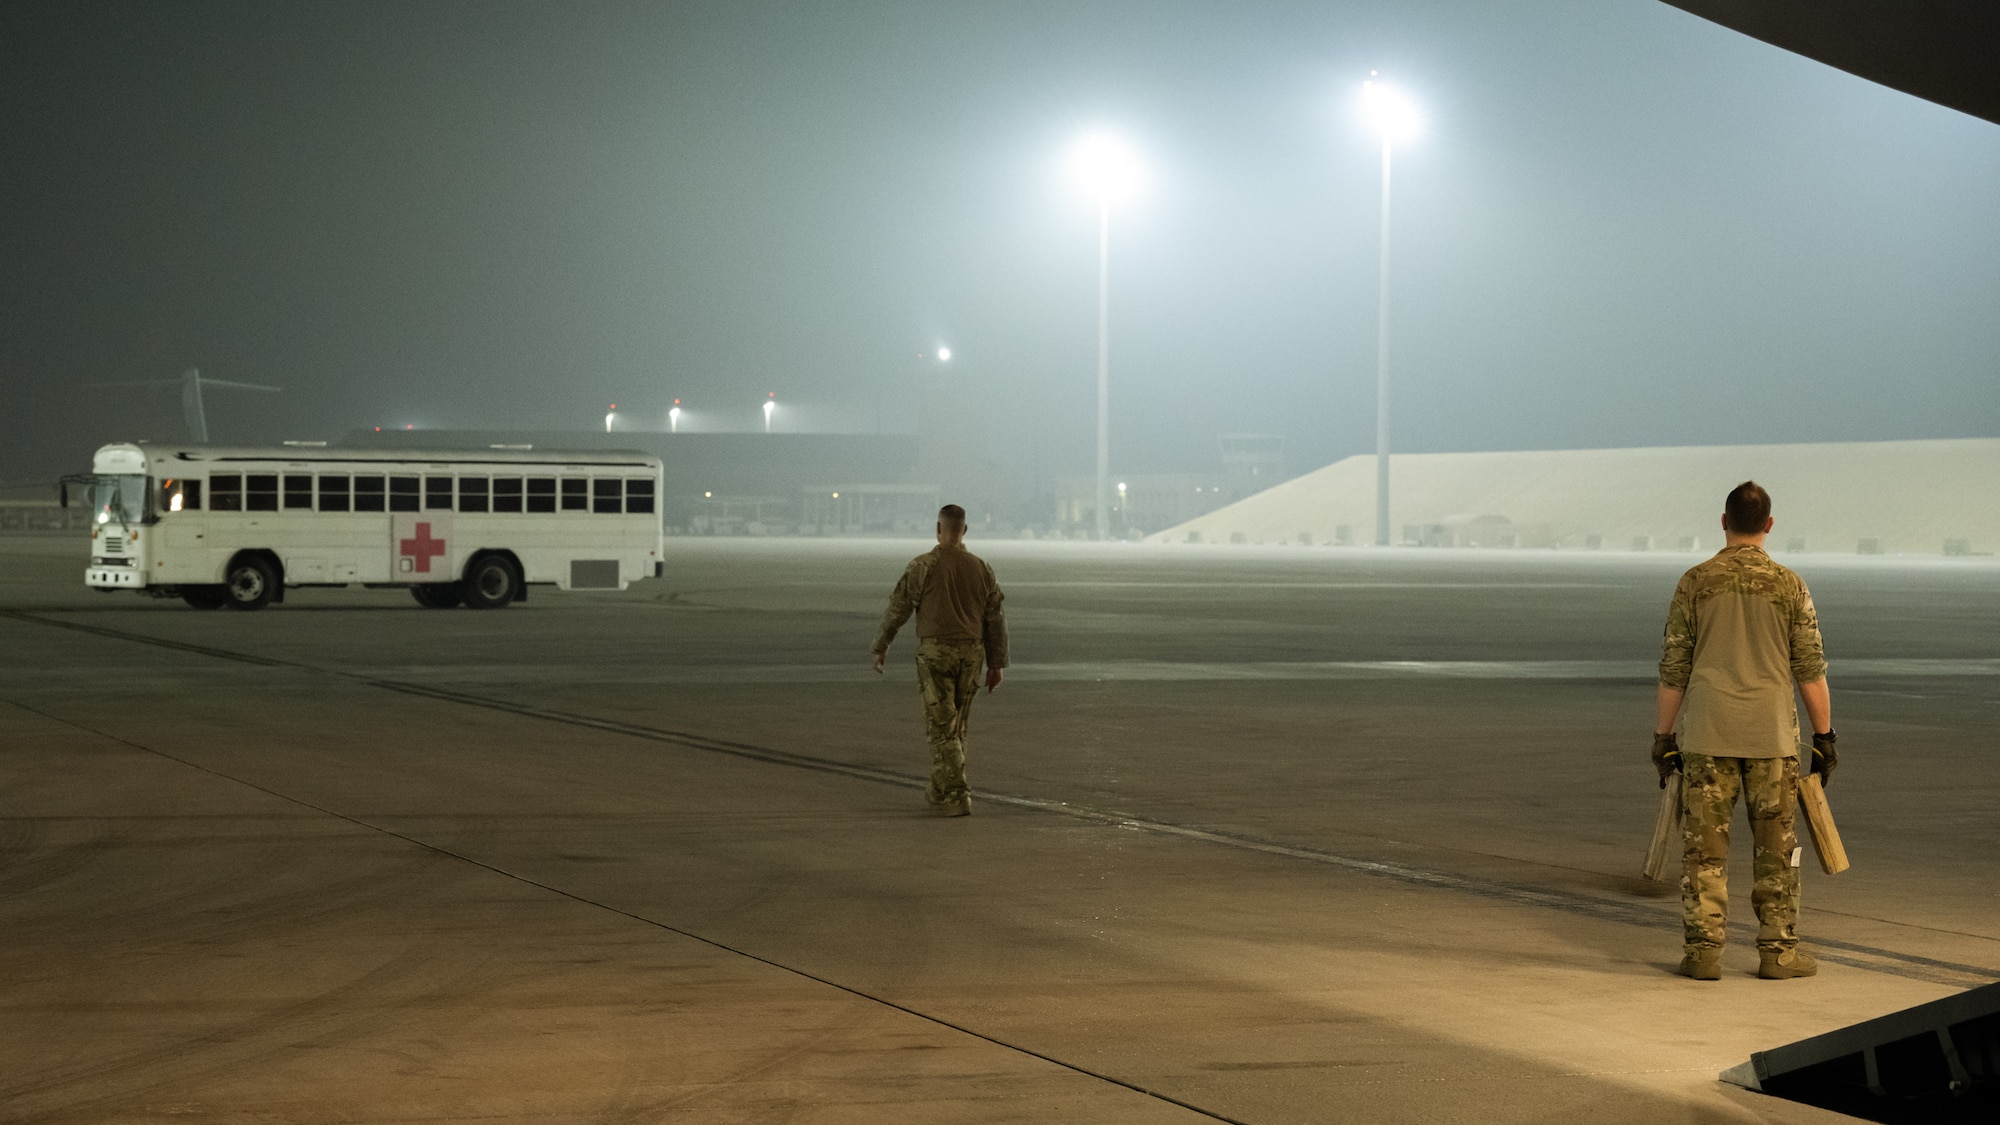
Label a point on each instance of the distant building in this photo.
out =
(1250, 463)
(36, 506)
(869, 509)
(1148, 502)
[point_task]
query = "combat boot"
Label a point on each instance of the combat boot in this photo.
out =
(1784, 964)
(1702, 962)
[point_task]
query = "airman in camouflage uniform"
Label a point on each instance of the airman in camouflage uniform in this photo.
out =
(960, 625)
(1741, 631)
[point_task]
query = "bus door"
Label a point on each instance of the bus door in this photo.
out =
(422, 547)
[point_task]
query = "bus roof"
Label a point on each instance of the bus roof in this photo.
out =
(219, 455)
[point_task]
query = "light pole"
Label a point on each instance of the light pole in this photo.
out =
(1109, 170)
(610, 417)
(770, 404)
(1394, 117)
(1103, 368)
(674, 418)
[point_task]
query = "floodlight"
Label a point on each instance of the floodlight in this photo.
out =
(1106, 166)
(1391, 113)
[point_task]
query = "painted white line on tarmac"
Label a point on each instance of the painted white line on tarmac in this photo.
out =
(1358, 585)
(1145, 671)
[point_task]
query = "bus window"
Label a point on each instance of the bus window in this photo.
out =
(604, 495)
(403, 494)
(260, 492)
(125, 497)
(178, 495)
(332, 493)
(506, 494)
(437, 494)
(541, 494)
(368, 495)
(576, 494)
(639, 494)
(225, 492)
(298, 492)
(472, 494)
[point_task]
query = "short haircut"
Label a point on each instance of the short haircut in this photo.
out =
(1747, 509)
(951, 515)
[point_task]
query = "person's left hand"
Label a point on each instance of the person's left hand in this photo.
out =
(1666, 756)
(877, 659)
(993, 678)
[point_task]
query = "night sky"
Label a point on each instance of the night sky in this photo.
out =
(1621, 226)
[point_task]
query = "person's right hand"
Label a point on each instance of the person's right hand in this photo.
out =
(876, 658)
(1666, 756)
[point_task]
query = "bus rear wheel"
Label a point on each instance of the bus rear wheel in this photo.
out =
(204, 597)
(438, 595)
(491, 582)
(250, 584)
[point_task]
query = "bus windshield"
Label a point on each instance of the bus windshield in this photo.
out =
(121, 498)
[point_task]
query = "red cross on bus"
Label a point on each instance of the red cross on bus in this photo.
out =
(423, 548)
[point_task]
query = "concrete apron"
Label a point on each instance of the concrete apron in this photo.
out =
(194, 944)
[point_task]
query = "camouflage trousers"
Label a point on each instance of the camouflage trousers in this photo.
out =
(1769, 787)
(948, 677)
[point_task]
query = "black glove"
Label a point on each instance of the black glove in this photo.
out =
(1824, 757)
(1666, 756)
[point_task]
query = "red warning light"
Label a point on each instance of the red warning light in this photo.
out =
(378, 429)
(410, 426)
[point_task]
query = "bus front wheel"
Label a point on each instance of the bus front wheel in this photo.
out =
(438, 595)
(491, 582)
(204, 597)
(250, 584)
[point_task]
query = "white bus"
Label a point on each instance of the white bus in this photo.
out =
(237, 527)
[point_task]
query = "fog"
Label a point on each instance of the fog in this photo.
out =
(1621, 225)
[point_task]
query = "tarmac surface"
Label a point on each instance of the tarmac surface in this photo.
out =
(1260, 835)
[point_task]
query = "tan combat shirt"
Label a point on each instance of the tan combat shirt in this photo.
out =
(1741, 631)
(955, 597)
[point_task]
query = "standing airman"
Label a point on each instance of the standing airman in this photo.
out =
(1740, 633)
